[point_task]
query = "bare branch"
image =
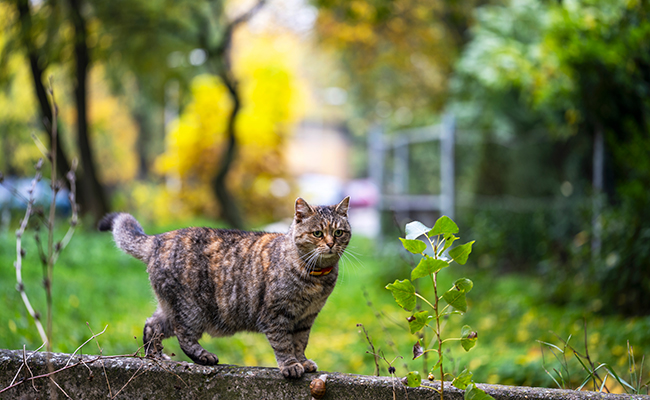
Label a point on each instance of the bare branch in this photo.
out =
(57, 385)
(129, 381)
(20, 286)
(84, 343)
(75, 213)
(54, 186)
(25, 362)
(230, 28)
(47, 375)
(28, 369)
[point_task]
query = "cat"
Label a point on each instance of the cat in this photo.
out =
(223, 281)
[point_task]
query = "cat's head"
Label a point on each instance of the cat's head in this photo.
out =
(321, 233)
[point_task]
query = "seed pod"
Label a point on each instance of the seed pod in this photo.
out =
(317, 387)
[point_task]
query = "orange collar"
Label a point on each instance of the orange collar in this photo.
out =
(323, 271)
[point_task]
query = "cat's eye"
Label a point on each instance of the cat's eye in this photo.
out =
(318, 234)
(338, 233)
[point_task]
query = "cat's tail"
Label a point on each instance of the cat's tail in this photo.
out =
(128, 234)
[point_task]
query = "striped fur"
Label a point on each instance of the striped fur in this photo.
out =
(226, 281)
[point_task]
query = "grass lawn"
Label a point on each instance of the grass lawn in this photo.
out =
(95, 283)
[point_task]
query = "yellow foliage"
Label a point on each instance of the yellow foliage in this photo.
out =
(113, 132)
(156, 203)
(190, 146)
(17, 106)
(270, 100)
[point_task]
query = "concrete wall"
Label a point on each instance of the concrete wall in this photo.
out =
(92, 377)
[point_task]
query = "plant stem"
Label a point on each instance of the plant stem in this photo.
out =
(427, 301)
(434, 279)
(50, 222)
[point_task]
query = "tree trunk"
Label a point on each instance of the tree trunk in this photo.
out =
(229, 209)
(141, 111)
(93, 193)
(220, 55)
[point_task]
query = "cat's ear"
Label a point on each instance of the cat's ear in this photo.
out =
(303, 209)
(342, 207)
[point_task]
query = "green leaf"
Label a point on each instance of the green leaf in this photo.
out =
(456, 299)
(463, 380)
(449, 240)
(468, 338)
(455, 296)
(414, 246)
(418, 320)
(464, 285)
(460, 253)
(474, 393)
(404, 293)
(415, 229)
(413, 379)
(444, 226)
(427, 266)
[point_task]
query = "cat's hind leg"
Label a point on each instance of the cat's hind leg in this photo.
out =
(189, 342)
(156, 328)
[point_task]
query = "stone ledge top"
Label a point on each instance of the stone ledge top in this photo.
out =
(90, 377)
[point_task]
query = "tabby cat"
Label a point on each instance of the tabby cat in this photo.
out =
(225, 281)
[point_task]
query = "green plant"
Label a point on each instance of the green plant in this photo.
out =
(562, 376)
(434, 259)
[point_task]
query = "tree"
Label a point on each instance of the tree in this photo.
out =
(91, 197)
(270, 104)
(188, 26)
(145, 47)
(579, 69)
(220, 58)
(397, 56)
(95, 202)
(38, 64)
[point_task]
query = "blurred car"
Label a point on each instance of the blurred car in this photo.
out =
(14, 194)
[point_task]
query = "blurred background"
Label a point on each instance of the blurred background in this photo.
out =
(526, 121)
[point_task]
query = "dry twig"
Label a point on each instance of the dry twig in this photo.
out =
(25, 359)
(20, 286)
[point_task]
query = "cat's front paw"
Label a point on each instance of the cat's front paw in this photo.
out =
(294, 370)
(310, 366)
(206, 358)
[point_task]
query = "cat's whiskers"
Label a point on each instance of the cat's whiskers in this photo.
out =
(348, 259)
(310, 258)
(308, 255)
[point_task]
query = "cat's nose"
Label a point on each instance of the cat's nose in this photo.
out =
(330, 244)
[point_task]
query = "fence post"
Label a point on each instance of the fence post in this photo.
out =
(597, 184)
(401, 165)
(447, 170)
(376, 158)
